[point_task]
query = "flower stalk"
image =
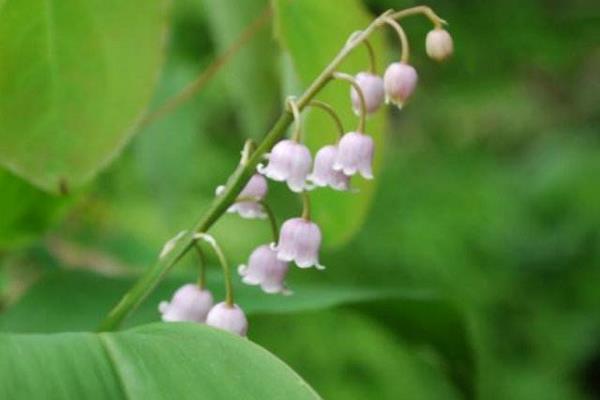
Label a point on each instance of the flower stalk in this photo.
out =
(242, 174)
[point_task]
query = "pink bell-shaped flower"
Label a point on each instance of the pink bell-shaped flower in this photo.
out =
(255, 189)
(289, 162)
(323, 173)
(355, 154)
(399, 80)
(372, 88)
(438, 44)
(299, 241)
(189, 303)
(265, 269)
(229, 318)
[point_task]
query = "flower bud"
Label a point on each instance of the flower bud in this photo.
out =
(189, 303)
(229, 318)
(299, 241)
(265, 269)
(355, 154)
(323, 173)
(289, 162)
(372, 88)
(399, 80)
(256, 188)
(438, 44)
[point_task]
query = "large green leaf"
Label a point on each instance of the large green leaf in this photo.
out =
(312, 32)
(160, 361)
(75, 77)
(78, 300)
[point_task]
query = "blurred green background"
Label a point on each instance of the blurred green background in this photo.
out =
(488, 196)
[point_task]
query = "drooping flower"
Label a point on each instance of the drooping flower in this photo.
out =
(289, 162)
(265, 269)
(438, 44)
(355, 154)
(399, 80)
(299, 241)
(189, 303)
(323, 173)
(228, 317)
(372, 88)
(254, 191)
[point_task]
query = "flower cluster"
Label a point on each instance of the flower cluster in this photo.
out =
(290, 161)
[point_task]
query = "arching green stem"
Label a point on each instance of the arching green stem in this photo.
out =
(201, 266)
(424, 10)
(403, 39)
(363, 105)
(291, 103)
(268, 210)
(224, 265)
(324, 106)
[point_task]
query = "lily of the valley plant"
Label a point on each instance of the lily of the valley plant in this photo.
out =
(290, 161)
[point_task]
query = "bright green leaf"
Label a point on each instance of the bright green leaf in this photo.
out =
(160, 361)
(75, 77)
(312, 32)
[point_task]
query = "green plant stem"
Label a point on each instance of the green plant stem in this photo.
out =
(403, 39)
(272, 220)
(268, 211)
(150, 279)
(202, 267)
(424, 10)
(296, 135)
(229, 300)
(326, 107)
(361, 96)
(372, 57)
(306, 211)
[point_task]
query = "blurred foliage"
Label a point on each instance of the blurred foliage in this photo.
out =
(488, 195)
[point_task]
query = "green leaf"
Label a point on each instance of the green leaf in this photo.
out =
(250, 76)
(77, 300)
(75, 77)
(312, 32)
(159, 361)
(346, 355)
(26, 211)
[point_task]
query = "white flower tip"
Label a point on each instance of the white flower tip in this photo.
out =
(163, 306)
(219, 190)
(170, 245)
(287, 292)
(320, 267)
(242, 268)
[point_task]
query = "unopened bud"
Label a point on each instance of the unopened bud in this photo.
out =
(438, 44)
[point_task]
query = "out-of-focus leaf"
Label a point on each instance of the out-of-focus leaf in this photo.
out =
(26, 211)
(312, 32)
(345, 355)
(74, 77)
(250, 76)
(160, 361)
(76, 300)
